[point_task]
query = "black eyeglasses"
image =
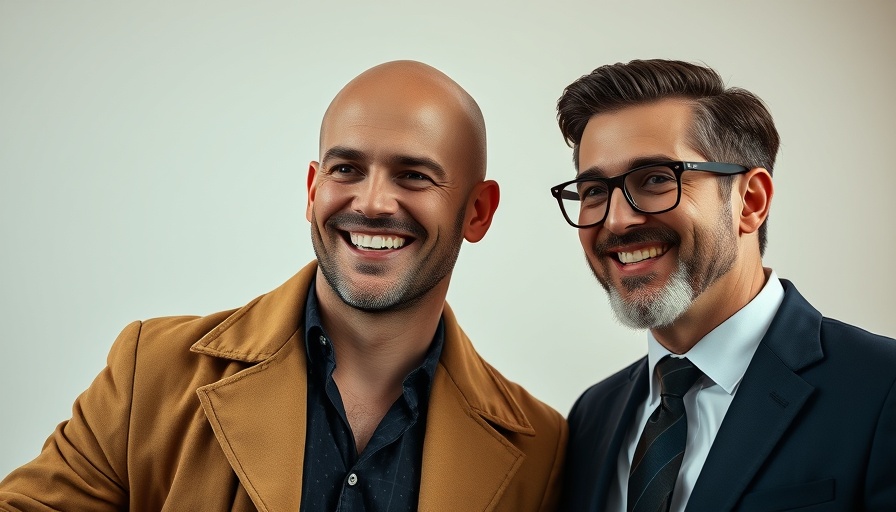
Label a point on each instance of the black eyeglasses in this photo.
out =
(653, 188)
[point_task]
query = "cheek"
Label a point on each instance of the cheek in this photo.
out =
(327, 201)
(587, 238)
(436, 209)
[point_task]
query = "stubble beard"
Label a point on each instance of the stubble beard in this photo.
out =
(409, 287)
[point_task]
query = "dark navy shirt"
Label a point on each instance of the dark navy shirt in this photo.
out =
(386, 475)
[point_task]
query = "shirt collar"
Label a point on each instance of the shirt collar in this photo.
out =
(725, 352)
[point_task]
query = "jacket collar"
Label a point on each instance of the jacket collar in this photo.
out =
(258, 414)
(256, 331)
(482, 387)
(466, 455)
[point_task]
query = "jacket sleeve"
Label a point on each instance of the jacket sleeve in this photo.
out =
(83, 464)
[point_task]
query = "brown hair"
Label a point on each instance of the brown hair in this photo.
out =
(730, 124)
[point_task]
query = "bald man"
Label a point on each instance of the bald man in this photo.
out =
(350, 387)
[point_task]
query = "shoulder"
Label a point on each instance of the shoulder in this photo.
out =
(174, 331)
(248, 334)
(806, 340)
(152, 362)
(540, 433)
(163, 342)
(606, 392)
(486, 389)
(836, 332)
(829, 354)
(478, 381)
(541, 415)
(486, 392)
(851, 352)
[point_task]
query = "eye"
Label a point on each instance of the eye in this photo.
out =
(592, 193)
(413, 175)
(344, 172)
(652, 180)
(658, 179)
(414, 180)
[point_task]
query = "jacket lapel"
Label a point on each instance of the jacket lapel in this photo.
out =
(770, 396)
(258, 414)
(467, 462)
(629, 398)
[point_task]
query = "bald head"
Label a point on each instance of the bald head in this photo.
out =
(412, 96)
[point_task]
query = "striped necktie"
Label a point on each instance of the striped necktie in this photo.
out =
(660, 449)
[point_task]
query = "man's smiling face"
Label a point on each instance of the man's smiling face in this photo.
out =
(655, 267)
(388, 199)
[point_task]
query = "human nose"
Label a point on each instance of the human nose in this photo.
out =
(376, 196)
(620, 214)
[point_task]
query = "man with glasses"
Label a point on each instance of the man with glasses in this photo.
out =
(748, 398)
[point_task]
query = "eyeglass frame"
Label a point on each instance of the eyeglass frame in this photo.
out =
(618, 181)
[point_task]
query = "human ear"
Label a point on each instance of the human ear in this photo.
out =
(481, 208)
(312, 187)
(756, 191)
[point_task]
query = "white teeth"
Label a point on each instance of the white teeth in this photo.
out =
(376, 242)
(641, 254)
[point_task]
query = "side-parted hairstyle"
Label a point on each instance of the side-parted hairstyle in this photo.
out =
(730, 124)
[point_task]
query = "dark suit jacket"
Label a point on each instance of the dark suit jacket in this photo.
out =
(813, 424)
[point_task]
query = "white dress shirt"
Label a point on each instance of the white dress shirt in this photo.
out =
(723, 356)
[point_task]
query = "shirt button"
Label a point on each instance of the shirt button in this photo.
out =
(323, 340)
(352, 479)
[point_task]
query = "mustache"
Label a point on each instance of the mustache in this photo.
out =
(350, 221)
(662, 235)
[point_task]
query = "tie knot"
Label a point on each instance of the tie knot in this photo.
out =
(677, 375)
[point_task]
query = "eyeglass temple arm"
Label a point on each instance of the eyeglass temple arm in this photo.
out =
(568, 194)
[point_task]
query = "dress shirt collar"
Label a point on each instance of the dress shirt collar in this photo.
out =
(725, 352)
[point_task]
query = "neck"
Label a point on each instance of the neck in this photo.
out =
(378, 349)
(728, 295)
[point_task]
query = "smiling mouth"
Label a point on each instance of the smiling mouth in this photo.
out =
(637, 255)
(376, 242)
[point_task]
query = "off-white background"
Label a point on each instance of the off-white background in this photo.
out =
(153, 158)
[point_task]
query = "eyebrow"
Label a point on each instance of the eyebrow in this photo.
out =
(598, 172)
(347, 153)
(343, 153)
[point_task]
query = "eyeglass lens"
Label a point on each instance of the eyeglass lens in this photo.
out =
(650, 189)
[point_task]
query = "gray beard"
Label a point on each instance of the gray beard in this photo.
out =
(656, 310)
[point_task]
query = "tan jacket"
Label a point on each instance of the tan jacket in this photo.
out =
(208, 414)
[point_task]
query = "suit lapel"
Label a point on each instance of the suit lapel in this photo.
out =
(621, 416)
(770, 396)
(467, 462)
(258, 414)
